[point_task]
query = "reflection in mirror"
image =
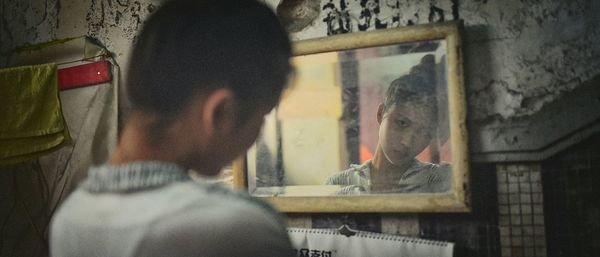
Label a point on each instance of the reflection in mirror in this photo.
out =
(363, 121)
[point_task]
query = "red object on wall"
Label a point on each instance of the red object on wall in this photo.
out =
(84, 75)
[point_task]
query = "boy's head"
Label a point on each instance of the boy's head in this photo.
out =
(188, 47)
(408, 114)
(224, 61)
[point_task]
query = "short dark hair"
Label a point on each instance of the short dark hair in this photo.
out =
(187, 47)
(418, 86)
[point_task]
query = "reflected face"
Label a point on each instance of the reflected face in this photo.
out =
(405, 130)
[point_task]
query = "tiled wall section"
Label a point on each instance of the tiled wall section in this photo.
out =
(521, 210)
(571, 205)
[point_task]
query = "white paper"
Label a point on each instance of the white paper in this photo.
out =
(330, 243)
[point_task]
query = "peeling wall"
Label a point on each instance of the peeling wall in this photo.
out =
(114, 23)
(519, 54)
(26, 21)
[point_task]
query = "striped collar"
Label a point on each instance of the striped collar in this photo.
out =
(416, 166)
(133, 176)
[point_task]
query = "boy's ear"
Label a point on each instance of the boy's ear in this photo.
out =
(380, 113)
(219, 112)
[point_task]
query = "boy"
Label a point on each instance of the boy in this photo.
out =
(202, 76)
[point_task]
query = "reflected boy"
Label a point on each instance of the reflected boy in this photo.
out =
(407, 123)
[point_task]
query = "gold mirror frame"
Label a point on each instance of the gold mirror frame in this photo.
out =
(455, 201)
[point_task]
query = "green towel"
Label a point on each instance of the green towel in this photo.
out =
(31, 120)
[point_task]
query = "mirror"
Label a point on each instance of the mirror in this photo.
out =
(374, 122)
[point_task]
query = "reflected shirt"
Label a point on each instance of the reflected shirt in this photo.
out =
(156, 209)
(421, 177)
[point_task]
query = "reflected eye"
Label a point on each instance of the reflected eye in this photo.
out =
(403, 123)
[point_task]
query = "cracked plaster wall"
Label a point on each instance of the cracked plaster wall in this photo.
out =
(519, 54)
(114, 23)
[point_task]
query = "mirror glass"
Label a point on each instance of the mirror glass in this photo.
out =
(365, 121)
